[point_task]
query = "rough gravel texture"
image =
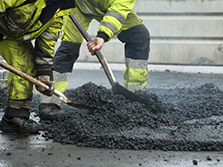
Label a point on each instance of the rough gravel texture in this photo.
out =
(175, 119)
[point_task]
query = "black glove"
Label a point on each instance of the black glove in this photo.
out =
(45, 76)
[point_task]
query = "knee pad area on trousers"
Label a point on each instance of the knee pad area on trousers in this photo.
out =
(65, 56)
(137, 42)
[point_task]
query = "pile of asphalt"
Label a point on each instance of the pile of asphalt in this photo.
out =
(176, 119)
(3, 98)
(181, 119)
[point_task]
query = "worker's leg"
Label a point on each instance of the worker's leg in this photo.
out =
(19, 91)
(64, 59)
(137, 45)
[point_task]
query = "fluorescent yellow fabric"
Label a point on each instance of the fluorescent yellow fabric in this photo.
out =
(20, 57)
(48, 44)
(70, 32)
(131, 79)
(25, 18)
(61, 85)
(5, 4)
(124, 8)
(21, 54)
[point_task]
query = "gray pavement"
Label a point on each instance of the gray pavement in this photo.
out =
(35, 151)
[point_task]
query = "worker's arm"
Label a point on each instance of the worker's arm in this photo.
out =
(45, 43)
(5, 4)
(111, 23)
(44, 52)
(114, 18)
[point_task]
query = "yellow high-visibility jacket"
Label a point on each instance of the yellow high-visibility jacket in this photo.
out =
(114, 13)
(34, 19)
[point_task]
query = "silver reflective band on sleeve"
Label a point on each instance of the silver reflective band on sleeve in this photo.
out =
(1, 11)
(116, 15)
(44, 61)
(87, 10)
(138, 64)
(49, 36)
(97, 5)
(85, 7)
(27, 38)
(110, 26)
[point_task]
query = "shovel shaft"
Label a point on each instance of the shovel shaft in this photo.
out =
(22, 74)
(33, 80)
(99, 55)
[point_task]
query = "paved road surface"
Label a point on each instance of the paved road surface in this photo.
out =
(35, 151)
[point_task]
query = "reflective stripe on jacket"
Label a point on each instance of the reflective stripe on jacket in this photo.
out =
(114, 13)
(34, 19)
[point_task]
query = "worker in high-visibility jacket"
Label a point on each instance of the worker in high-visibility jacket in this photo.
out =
(116, 17)
(20, 22)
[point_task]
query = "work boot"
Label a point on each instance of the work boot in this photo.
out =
(49, 111)
(18, 125)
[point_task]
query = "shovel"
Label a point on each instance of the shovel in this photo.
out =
(39, 83)
(116, 87)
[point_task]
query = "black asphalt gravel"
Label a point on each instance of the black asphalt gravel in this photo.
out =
(179, 119)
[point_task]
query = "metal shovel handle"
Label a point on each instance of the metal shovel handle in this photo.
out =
(99, 55)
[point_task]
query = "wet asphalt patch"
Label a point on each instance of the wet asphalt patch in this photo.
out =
(180, 119)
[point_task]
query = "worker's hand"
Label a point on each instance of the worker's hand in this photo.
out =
(99, 42)
(45, 79)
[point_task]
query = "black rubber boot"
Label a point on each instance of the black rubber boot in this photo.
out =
(49, 111)
(18, 125)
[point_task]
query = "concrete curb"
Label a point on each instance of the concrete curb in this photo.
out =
(157, 68)
(121, 67)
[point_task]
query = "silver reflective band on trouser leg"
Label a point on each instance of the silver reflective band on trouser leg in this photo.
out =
(139, 64)
(61, 82)
(136, 74)
(18, 104)
(134, 88)
(50, 99)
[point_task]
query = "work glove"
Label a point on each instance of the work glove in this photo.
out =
(45, 76)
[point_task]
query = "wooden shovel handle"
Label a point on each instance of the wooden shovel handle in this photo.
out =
(39, 83)
(23, 75)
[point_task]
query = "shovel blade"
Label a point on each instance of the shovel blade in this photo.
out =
(118, 89)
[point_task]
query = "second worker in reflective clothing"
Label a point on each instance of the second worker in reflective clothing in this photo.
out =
(116, 17)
